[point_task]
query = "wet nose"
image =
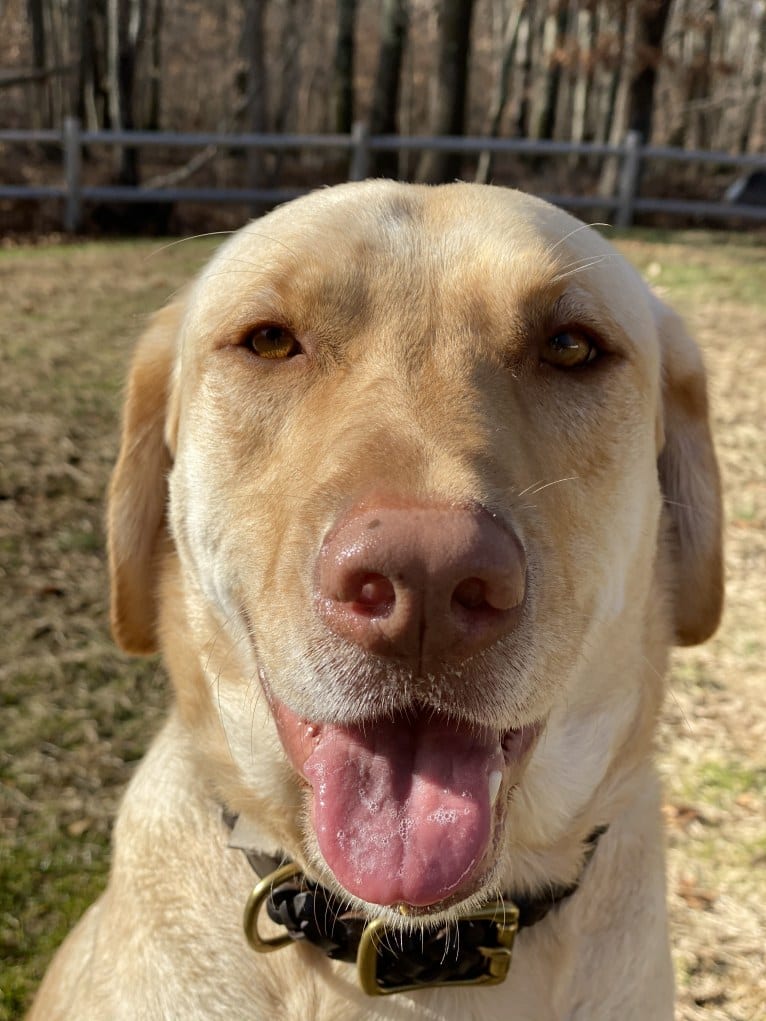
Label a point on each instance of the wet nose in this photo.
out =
(421, 583)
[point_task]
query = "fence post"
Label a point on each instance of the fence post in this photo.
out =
(627, 184)
(72, 174)
(360, 153)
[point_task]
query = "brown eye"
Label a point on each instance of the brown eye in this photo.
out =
(272, 342)
(569, 349)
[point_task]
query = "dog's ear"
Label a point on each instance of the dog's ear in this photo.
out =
(138, 490)
(690, 483)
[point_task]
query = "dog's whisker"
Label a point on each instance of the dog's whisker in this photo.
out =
(212, 641)
(222, 717)
(585, 260)
(251, 232)
(575, 230)
(525, 491)
(575, 269)
(677, 503)
(190, 237)
(668, 681)
(555, 482)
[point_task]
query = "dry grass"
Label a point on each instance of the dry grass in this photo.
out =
(76, 715)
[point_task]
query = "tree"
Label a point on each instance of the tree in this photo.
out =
(151, 118)
(502, 86)
(652, 18)
(344, 67)
(449, 88)
(385, 99)
(125, 28)
(750, 137)
(256, 102)
(89, 99)
(41, 107)
(554, 29)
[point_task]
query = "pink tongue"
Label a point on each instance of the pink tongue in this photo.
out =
(402, 810)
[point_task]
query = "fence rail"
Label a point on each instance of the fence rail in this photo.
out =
(625, 202)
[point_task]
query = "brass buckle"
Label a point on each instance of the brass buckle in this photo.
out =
(255, 902)
(504, 914)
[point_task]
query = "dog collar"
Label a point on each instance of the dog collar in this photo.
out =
(474, 950)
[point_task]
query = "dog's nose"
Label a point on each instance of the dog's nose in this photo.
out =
(422, 583)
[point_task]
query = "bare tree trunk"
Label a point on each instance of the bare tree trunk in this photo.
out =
(612, 39)
(256, 103)
(553, 35)
(652, 19)
(82, 96)
(314, 112)
(41, 111)
(385, 100)
(56, 36)
(89, 100)
(617, 100)
(124, 30)
(502, 87)
(583, 86)
(526, 42)
(451, 80)
(284, 100)
(344, 67)
(699, 81)
(751, 139)
(154, 99)
(407, 109)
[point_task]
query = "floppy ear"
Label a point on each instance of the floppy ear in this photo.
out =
(138, 490)
(690, 484)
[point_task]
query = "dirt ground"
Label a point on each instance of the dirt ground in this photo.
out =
(77, 715)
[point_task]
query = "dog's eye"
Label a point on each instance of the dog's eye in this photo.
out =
(272, 342)
(569, 349)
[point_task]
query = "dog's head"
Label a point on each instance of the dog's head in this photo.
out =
(429, 475)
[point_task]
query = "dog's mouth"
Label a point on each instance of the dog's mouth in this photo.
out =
(405, 809)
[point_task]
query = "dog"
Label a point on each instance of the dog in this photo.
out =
(416, 490)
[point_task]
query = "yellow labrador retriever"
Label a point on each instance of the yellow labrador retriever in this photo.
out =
(416, 489)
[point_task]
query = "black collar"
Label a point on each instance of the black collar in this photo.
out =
(475, 950)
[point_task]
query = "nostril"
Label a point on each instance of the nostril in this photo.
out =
(501, 592)
(470, 594)
(375, 595)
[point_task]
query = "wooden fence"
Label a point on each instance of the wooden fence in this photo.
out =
(624, 203)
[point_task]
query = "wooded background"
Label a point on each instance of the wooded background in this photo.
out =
(685, 73)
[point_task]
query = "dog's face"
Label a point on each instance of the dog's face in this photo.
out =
(418, 546)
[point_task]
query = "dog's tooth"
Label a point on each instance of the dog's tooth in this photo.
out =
(495, 779)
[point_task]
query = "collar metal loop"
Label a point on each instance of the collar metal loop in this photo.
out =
(491, 964)
(485, 938)
(260, 894)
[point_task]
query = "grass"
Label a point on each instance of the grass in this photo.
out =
(67, 880)
(682, 262)
(718, 781)
(77, 715)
